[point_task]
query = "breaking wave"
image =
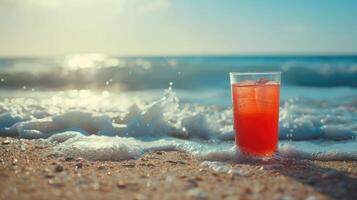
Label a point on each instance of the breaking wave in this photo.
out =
(104, 72)
(106, 126)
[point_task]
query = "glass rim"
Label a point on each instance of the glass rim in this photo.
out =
(255, 73)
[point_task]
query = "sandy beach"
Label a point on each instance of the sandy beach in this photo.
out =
(174, 99)
(29, 170)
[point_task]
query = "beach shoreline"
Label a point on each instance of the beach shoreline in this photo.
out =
(29, 170)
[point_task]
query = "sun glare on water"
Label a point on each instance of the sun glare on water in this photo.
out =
(93, 60)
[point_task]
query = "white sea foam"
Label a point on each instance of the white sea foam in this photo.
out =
(317, 121)
(120, 148)
(117, 127)
(221, 167)
(320, 150)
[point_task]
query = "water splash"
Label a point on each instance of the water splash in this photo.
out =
(107, 126)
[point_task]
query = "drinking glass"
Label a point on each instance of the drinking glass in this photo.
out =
(255, 99)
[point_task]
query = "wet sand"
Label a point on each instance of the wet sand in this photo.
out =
(28, 170)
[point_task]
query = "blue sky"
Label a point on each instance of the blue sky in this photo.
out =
(166, 27)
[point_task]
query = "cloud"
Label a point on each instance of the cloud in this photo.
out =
(295, 28)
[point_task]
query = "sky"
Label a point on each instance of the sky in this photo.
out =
(177, 27)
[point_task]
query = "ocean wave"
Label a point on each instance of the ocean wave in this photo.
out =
(41, 118)
(116, 130)
(185, 72)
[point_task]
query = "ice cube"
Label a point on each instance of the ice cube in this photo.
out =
(244, 91)
(271, 83)
(267, 96)
(262, 81)
(246, 82)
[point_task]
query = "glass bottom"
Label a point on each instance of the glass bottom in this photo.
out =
(267, 154)
(258, 154)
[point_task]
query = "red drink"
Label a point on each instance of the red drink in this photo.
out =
(256, 116)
